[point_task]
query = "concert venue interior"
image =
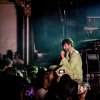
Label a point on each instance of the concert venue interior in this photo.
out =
(37, 27)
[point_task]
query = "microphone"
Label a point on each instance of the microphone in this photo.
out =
(65, 52)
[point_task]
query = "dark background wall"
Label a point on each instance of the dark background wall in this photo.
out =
(54, 20)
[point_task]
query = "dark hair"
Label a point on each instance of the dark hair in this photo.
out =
(68, 41)
(8, 62)
(68, 88)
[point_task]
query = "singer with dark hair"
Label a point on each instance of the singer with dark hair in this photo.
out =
(71, 62)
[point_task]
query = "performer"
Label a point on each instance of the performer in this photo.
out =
(72, 62)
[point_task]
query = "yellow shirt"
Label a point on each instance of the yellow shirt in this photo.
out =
(73, 66)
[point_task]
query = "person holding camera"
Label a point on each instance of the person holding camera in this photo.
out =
(71, 61)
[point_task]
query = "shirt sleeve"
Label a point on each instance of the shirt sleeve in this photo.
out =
(71, 62)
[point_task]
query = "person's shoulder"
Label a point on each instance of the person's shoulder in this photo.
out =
(75, 51)
(41, 90)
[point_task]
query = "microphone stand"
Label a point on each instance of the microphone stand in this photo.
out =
(98, 64)
(87, 75)
(98, 59)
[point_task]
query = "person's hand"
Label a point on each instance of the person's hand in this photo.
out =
(62, 54)
(59, 75)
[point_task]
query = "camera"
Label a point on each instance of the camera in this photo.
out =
(61, 71)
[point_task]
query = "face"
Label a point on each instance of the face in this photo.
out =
(67, 46)
(51, 76)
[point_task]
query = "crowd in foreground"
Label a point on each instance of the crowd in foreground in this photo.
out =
(21, 82)
(39, 83)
